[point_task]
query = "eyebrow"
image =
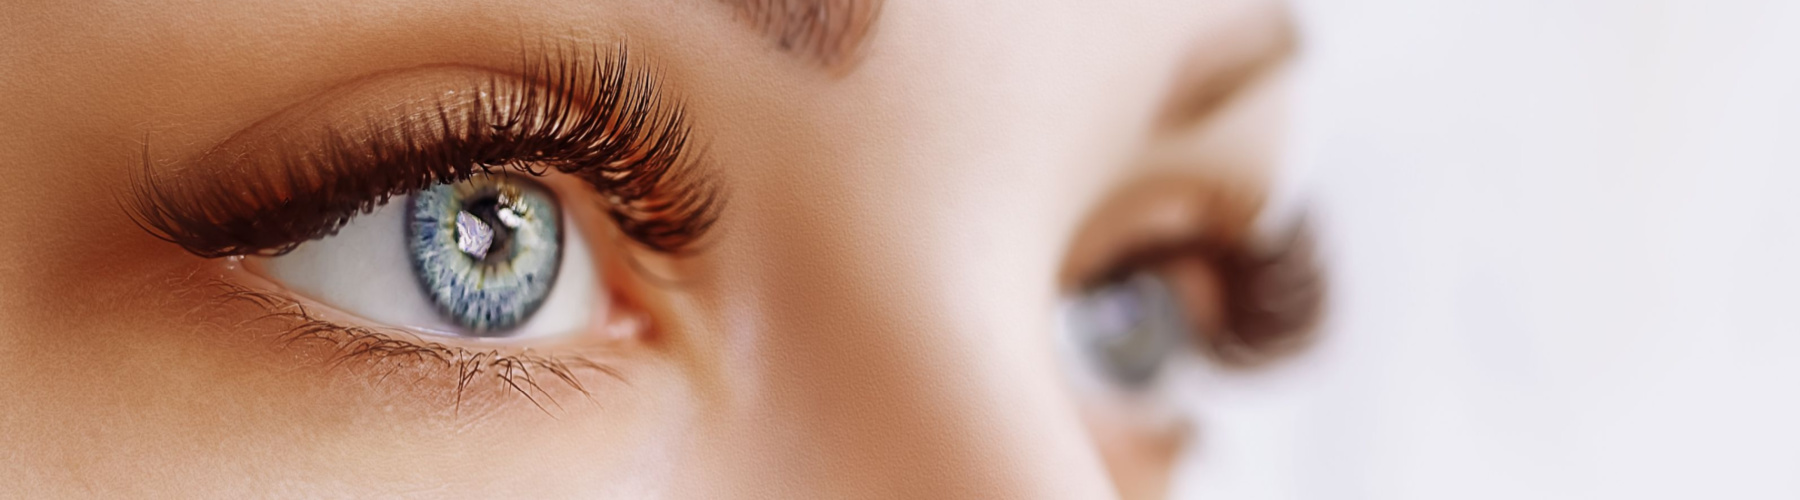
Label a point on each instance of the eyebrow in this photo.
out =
(830, 33)
(1250, 46)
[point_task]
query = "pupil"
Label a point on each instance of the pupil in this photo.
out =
(486, 208)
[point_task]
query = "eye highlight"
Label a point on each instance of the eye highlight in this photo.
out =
(486, 250)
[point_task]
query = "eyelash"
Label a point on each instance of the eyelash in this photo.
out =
(599, 121)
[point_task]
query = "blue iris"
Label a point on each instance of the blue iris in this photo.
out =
(486, 249)
(1129, 328)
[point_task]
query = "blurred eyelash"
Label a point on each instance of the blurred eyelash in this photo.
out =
(1275, 296)
(595, 118)
(1273, 291)
(394, 351)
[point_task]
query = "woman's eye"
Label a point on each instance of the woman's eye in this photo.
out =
(485, 257)
(1127, 330)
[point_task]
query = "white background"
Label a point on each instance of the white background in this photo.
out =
(1566, 242)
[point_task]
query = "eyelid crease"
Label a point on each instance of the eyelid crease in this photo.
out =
(395, 351)
(595, 118)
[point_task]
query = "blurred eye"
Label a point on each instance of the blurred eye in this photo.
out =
(1194, 304)
(1126, 331)
(485, 257)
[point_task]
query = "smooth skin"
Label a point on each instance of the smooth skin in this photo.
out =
(874, 317)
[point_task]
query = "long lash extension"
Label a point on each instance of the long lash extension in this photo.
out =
(598, 118)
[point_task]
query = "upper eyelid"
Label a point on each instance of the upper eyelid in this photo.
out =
(597, 118)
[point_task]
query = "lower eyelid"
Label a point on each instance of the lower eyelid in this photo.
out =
(451, 376)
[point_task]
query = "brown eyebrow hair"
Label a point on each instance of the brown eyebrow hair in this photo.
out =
(1256, 43)
(829, 32)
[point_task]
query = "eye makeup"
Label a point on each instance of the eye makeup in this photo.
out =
(592, 117)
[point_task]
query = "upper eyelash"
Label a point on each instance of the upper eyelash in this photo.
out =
(1275, 296)
(594, 118)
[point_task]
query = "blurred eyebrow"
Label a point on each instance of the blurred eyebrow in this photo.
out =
(828, 32)
(1247, 47)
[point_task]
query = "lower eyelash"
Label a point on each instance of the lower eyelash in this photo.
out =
(397, 350)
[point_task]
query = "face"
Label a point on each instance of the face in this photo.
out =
(588, 248)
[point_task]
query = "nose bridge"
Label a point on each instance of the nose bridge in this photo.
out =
(883, 391)
(875, 353)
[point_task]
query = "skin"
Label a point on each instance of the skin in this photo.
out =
(874, 315)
